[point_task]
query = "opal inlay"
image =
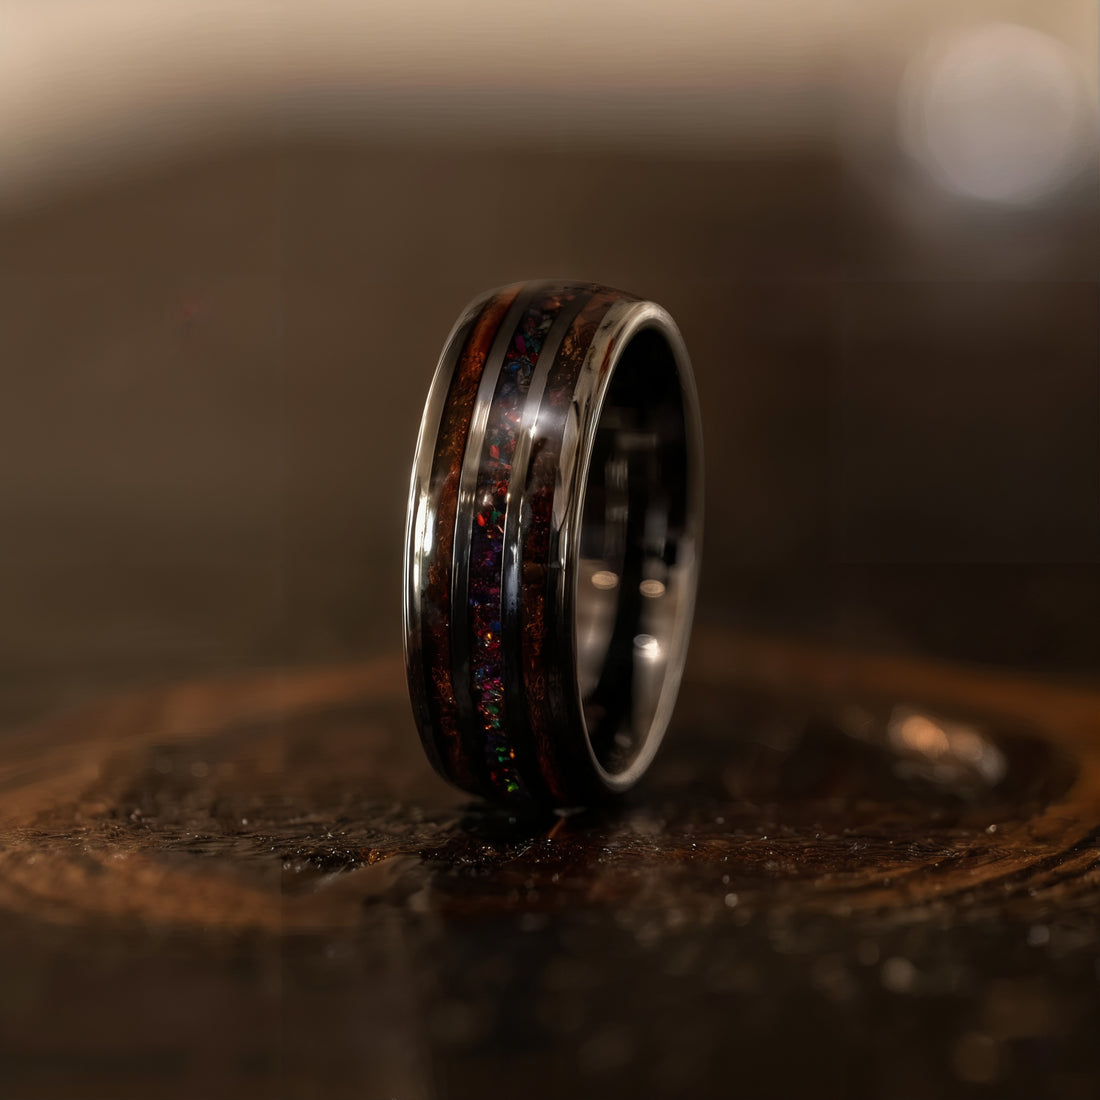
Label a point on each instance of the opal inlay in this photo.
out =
(436, 598)
(487, 540)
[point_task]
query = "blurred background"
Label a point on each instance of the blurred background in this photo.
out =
(234, 234)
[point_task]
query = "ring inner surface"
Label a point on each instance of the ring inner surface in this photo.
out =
(631, 579)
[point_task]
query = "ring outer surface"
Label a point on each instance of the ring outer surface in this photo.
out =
(524, 737)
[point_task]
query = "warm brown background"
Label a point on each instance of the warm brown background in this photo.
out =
(213, 373)
(230, 248)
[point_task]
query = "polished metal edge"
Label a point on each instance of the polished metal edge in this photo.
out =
(623, 322)
(420, 521)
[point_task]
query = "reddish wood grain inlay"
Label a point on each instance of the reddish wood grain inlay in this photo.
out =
(536, 599)
(446, 471)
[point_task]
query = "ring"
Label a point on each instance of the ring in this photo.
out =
(552, 545)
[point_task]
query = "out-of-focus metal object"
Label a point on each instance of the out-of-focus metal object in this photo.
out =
(949, 753)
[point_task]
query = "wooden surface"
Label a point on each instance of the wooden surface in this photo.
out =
(256, 887)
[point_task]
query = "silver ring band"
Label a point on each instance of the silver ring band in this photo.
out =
(552, 544)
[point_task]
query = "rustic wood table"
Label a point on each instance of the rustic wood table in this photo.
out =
(847, 876)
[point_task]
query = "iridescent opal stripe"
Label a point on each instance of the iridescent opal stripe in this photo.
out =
(487, 543)
(446, 471)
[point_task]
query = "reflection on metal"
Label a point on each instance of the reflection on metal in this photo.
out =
(652, 589)
(944, 752)
(998, 112)
(605, 580)
(951, 754)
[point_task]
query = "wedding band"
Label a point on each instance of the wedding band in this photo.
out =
(552, 544)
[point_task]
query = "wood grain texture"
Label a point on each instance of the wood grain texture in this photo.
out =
(257, 887)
